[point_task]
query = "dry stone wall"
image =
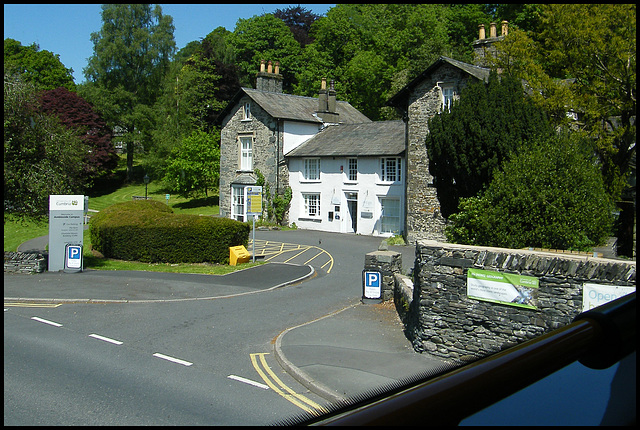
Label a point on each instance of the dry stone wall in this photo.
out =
(441, 320)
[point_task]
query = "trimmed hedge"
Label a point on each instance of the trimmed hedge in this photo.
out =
(149, 231)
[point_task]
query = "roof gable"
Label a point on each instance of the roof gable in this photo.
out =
(377, 138)
(400, 98)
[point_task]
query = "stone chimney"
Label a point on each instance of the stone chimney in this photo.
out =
(269, 80)
(483, 47)
(327, 102)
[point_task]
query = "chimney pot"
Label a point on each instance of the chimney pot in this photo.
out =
(323, 84)
(269, 67)
(505, 28)
(277, 70)
(492, 30)
(481, 34)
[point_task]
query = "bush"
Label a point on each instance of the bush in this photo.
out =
(551, 195)
(149, 231)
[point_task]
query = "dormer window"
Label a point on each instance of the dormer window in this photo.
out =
(246, 112)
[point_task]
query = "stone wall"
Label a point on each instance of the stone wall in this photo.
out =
(24, 262)
(441, 320)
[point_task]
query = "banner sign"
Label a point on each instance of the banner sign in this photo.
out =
(594, 295)
(503, 288)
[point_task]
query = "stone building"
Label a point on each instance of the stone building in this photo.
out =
(259, 126)
(426, 96)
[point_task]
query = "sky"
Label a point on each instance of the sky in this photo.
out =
(65, 29)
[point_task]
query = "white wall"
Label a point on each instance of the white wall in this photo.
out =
(333, 187)
(294, 133)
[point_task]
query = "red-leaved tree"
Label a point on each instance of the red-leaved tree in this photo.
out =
(77, 114)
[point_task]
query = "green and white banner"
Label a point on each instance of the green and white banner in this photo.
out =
(504, 288)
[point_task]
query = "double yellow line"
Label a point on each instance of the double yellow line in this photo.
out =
(32, 305)
(297, 399)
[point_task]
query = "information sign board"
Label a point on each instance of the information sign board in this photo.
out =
(254, 200)
(66, 227)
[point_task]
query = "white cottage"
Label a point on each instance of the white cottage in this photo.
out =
(349, 178)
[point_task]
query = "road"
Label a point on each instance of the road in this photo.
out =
(205, 362)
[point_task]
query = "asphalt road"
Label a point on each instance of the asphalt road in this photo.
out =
(205, 362)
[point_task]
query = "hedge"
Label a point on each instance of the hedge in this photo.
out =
(149, 231)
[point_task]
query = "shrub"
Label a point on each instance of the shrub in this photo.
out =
(550, 195)
(149, 231)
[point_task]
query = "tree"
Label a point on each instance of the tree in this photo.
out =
(267, 38)
(40, 67)
(481, 130)
(41, 156)
(373, 50)
(595, 44)
(194, 166)
(299, 21)
(132, 53)
(549, 195)
(78, 115)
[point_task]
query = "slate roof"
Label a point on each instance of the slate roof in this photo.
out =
(294, 108)
(400, 99)
(377, 138)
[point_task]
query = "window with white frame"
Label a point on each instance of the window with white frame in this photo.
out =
(447, 98)
(390, 169)
(311, 204)
(312, 169)
(246, 153)
(246, 113)
(352, 173)
(237, 203)
(390, 218)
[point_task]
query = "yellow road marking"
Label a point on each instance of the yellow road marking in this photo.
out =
(272, 250)
(297, 399)
(32, 305)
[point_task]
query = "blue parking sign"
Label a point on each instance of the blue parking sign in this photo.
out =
(73, 256)
(372, 285)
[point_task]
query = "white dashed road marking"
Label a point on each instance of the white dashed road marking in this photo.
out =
(42, 320)
(173, 359)
(106, 339)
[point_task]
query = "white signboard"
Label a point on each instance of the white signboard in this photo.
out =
(594, 295)
(66, 227)
(504, 288)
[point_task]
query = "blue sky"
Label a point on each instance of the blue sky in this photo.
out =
(65, 29)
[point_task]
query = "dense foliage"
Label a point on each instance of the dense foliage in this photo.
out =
(78, 115)
(194, 165)
(550, 195)
(40, 68)
(41, 156)
(469, 142)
